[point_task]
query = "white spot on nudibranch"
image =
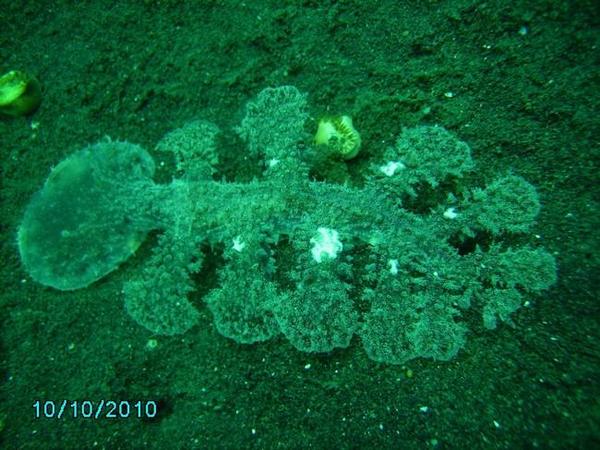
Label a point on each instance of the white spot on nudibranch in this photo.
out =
(326, 243)
(238, 245)
(390, 168)
(450, 213)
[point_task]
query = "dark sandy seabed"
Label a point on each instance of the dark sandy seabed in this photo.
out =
(518, 81)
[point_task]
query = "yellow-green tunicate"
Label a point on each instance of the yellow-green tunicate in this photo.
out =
(20, 94)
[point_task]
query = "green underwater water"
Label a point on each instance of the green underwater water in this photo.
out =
(518, 82)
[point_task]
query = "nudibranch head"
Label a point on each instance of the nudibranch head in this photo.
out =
(338, 133)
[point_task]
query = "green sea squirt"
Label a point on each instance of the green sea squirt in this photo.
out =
(20, 94)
